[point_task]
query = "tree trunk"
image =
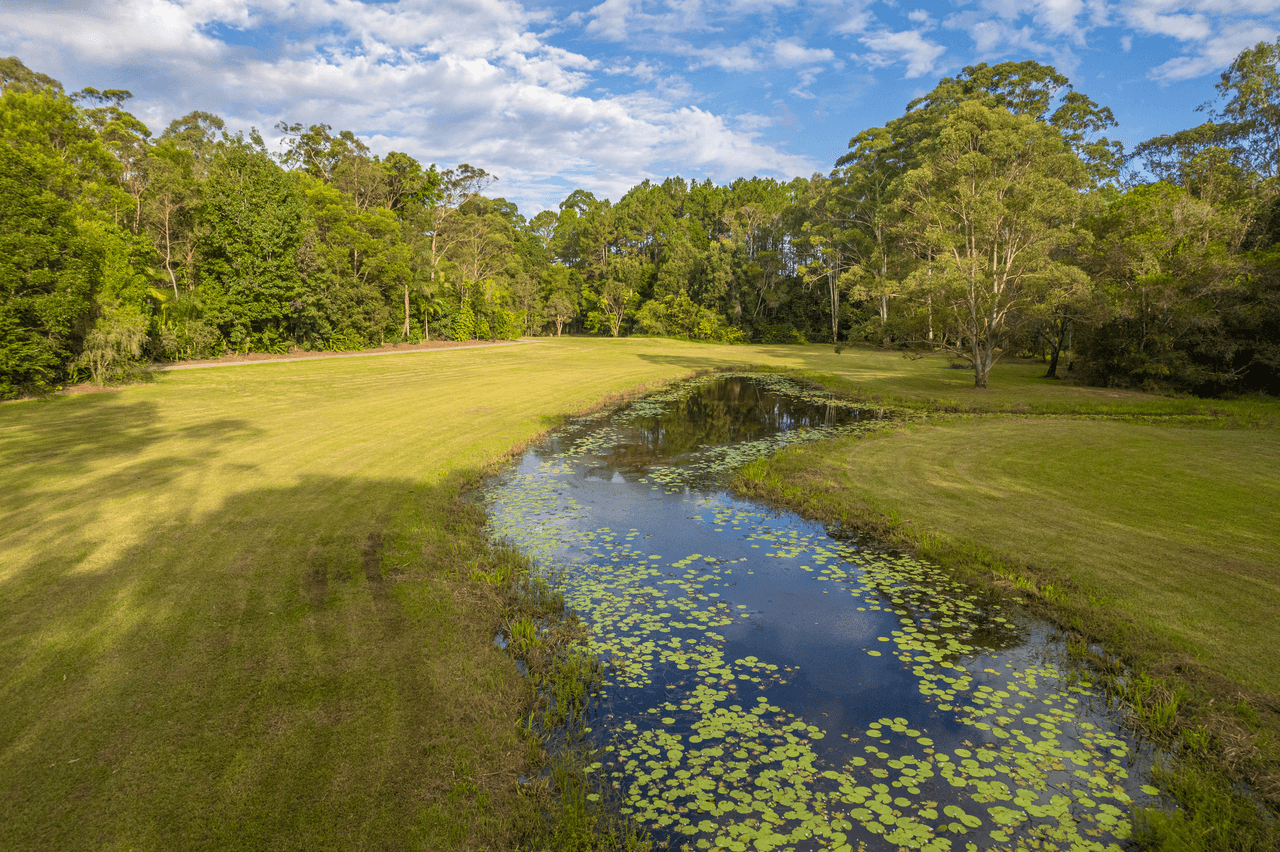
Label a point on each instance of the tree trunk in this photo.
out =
(405, 335)
(1056, 347)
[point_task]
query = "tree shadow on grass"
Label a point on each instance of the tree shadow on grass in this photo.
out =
(100, 432)
(296, 669)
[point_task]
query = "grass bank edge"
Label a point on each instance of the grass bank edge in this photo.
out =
(1222, 735)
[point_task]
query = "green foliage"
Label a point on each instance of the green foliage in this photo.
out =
(781, 333)
(994, 201)
(1166, 263)
(113, 348)
(676, 315)
(350, 249)
(255, 222)
(48, 272)
(465, 326)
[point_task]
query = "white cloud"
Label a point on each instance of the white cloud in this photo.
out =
(1212, 32)
(1214, 54)
(1001, 30)
(854, 17)
(887, 48)
(790, 53)
(610, 19)
(1183, 27)
(475, 82)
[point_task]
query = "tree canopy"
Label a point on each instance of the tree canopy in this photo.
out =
(993, 217)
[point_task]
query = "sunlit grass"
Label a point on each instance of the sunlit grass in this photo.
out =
(1174, 528)
(228, 606)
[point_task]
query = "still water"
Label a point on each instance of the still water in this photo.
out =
(771, 684)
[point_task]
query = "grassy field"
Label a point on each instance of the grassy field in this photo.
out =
(1137, 516)
(228, 607)
(235, 607)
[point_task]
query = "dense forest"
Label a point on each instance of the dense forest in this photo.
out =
(993, 217)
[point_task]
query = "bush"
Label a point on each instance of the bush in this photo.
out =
(782, 333)
(464, 323)
(113, 347)
(189, 339)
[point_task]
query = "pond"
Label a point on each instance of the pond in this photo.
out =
(772, 684)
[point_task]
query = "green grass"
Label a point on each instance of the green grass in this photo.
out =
(234, 605)
(238, 605)
(1143, 518)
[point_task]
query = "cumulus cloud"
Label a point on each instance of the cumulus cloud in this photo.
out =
(1213, 54)
(909, 46)
(790, 53)
(1212, 32)
(475, 82)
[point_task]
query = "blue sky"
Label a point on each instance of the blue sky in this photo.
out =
(554, 96)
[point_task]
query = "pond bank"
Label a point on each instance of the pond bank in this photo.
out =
(1167, 565)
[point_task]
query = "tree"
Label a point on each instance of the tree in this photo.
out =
(456, 187)
(254, 222)
(1251, 87)
(363, 260)
(1166, 264)
(617, 294)
(199, 133)
(47, 276)
(993, 198)
(16, 77)
(560, 293)
(316, 151)
(168, 213)
(126, 137)
(865, 185)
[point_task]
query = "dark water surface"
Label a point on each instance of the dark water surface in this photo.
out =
(771, 685)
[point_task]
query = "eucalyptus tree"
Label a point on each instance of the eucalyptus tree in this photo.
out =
(821, 240)
(586, 233)
(316, 150)
(863, 182)
(201, 134)
(126, 137)
(1251, 89)
(1038, 92)
(16, 77)
(994, 197)
(455, 188)
(1204, 159)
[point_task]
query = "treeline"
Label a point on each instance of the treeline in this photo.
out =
(993, 217)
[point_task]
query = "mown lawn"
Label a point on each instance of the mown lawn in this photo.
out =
(229, 616)
(1172, 527)
(234, 605)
